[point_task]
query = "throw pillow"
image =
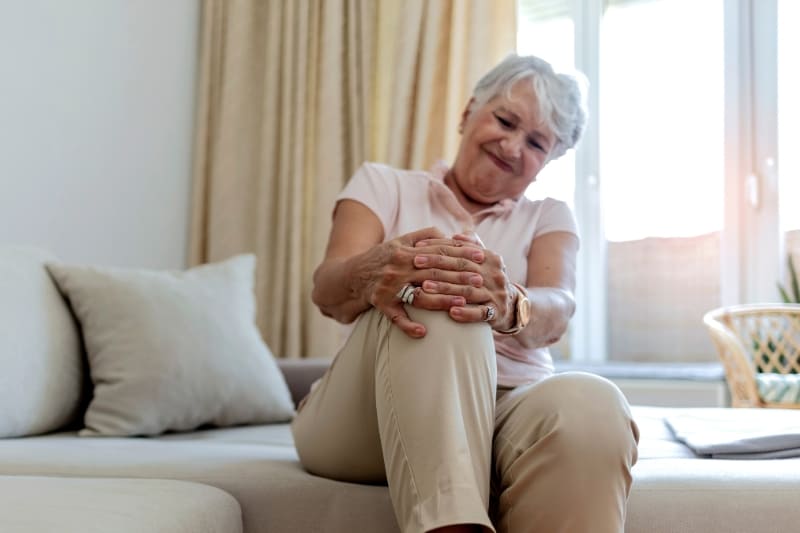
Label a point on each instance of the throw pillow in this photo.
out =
(172, 351)
(41, 359)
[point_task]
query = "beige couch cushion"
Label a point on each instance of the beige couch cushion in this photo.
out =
(174, 350)
(673, 490)
(70, 505)
(40, 351)
(257, 465)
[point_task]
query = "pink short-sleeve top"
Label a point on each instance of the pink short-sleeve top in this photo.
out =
(407, 200)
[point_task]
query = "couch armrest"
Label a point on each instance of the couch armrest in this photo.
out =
(301, 373)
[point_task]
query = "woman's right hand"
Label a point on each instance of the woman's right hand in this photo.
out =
(391, 267)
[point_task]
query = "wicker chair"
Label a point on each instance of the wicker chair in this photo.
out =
(759, 345)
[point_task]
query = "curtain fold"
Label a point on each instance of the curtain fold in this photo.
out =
(430, 55)
(292, 98)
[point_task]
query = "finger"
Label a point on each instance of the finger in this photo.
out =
(468, 313)
(397, 314)
(472, 279)
(426, 233)
(469, 293)
(444, 262)
(437, 302)
(469, 236)
(444, 247)
(456, 243)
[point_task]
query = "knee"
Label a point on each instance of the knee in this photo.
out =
(588, 417)
(450, 352)
(467, 340)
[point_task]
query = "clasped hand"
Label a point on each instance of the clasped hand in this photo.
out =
(457, 275)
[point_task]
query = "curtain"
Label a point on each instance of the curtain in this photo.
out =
(430, 54)
(292, 98)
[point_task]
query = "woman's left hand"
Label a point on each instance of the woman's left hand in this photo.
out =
(496, 291)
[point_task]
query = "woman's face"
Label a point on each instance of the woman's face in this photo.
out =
(503, 147)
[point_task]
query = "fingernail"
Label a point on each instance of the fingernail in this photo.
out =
(458, 301)
(476, 280)
(477, 256)
(430, 286)
(421, 260)
(419, 331)
(456, 311)
(422, 243)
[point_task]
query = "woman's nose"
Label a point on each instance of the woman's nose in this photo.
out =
(511, 147)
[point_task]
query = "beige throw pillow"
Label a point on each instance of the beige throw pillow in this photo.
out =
(173, 350)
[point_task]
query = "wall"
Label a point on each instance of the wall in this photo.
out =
(96, 110)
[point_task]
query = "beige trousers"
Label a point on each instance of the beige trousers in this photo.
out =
(425, 416)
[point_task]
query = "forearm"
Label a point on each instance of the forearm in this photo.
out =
(551, 310)
(342, 286)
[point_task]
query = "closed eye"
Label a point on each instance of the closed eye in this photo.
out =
(533, 143)
(507, 124)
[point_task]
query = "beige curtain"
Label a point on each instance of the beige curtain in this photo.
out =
(429, 55)
(292, 97)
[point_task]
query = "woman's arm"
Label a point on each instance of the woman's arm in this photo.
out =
(551, 288)
(341, 280)
(361, 270)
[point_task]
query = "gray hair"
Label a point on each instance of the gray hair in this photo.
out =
(561, 97)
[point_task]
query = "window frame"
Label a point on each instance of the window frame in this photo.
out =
(751, 242)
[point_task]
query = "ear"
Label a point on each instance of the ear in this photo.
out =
(465, 114)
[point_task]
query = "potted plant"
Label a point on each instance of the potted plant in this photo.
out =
(790, 295)
(794, 297)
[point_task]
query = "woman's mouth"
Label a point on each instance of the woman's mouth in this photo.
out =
(499, 163)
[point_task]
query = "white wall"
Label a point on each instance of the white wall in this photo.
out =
(96, 117)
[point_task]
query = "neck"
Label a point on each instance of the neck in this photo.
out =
(467, 202)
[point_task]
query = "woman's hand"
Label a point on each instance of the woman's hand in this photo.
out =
(440, 257)
(402, 261)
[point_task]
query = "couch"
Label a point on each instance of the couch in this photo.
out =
(56, 476)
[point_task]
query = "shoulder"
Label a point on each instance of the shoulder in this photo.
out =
(553, 215)
(552, 206)
(542, 206)
(526, 207)
(384, 171)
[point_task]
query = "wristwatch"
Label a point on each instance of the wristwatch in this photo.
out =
(523, 312)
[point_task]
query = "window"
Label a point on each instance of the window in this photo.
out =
(554, 32)
(789, 127)
(674, 185)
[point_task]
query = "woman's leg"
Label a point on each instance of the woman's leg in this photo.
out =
(336, 427)
(418, 411)
(563, 452)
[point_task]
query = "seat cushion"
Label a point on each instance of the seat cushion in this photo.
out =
(257, 465)
(120, 505)
(673, 490)
(42, 372)
(779, 388)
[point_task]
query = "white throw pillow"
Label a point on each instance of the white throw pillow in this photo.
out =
(41, 360)
(172, 351)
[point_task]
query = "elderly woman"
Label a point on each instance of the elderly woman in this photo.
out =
(456, 284)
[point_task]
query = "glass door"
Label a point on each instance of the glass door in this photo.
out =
(789, 128)
(662, 174)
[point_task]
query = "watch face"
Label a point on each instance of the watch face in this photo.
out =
(523, 312)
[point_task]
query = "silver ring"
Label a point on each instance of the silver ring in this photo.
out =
(406, 293)
(490, 313)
